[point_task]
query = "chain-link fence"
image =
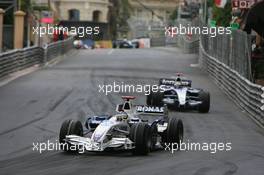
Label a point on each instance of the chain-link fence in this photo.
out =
(143, 28)
(154, 30)
(227, 59)
(188, 42)
(244, 93)
(233, 50)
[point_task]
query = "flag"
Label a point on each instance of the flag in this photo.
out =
(220, 3)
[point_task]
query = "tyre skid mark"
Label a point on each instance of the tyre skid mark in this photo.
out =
(46, 114)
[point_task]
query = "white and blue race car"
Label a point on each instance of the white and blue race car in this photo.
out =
(178, 94)
(138, 128)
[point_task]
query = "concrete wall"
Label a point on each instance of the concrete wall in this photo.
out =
(86, 8)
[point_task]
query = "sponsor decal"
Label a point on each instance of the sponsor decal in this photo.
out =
(150, 109)
(167, 81)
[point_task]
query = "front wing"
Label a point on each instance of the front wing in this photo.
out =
(90, 145)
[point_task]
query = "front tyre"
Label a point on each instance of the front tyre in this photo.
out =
(140, 134)
(64, 130)
(69, 127)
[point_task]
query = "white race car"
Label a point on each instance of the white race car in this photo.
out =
(135, 127)
(178, 94)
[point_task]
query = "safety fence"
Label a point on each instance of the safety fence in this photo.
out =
(227, 59)
(189, 43)
(57, 48)
(17, 60)
(157, 41)
(228, 71)
(233, 50)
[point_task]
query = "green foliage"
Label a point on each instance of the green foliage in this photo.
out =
(28, 6)
(174, 14)
(210, 3)
(119, 14)
(41, 8)
(222, 15)
(25, 5)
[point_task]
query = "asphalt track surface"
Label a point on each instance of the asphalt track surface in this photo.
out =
(33, 107)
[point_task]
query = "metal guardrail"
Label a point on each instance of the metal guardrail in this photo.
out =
(246, 94)
(227, 60)
(188, 46)
(16, 60)
(155, 42)
(58, 48)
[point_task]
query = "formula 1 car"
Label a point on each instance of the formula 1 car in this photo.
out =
(138, 128)
(126, 44)
(177, 94)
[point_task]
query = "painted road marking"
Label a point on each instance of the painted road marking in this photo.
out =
(194, 65)
(18, 74)
(110, 51)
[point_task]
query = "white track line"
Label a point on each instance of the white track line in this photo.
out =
(110, 51)
(18, 74)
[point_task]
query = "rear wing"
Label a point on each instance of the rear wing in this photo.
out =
(153, 110)
(167, 81)
(171, 82)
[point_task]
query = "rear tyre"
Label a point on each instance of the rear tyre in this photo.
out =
(149, 99)
(157, 98)
(154, 136)
(140, 135)
(69, 127)
(204, 107)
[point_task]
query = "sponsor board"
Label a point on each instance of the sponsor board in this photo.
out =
(243, 4)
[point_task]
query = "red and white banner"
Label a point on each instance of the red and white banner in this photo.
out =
(47, 20)
(220, 3)
(243, 4)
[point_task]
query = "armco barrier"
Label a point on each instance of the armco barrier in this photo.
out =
(57, 48)
(157, 42)
(189, 43)
(188, 46)
(247, 95)
(17, 60)
(20, 59)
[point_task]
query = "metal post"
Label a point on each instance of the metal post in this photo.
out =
(205, 11)
(1, 28)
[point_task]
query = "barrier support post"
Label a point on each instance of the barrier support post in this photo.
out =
(1, 28)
